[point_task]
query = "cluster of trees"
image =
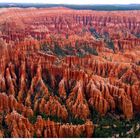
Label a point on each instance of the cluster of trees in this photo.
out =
(79, 50)
(94, 33)
(108, 126)
(110, 45)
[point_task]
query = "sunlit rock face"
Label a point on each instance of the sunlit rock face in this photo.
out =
(58, 66)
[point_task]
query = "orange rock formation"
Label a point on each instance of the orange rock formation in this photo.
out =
(59, 66)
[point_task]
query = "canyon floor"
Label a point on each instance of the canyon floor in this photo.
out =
(69, 73)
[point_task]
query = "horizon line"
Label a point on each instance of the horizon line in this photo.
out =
(66, 3)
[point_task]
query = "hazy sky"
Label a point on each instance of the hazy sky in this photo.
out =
(76, 1)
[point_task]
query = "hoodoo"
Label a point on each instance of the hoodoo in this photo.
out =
(70, 73)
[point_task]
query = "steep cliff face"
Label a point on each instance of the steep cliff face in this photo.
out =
(21, 127)
(57, 68)
(77, 103)
(106, 97)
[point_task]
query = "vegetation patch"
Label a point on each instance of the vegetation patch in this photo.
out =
(91, 50)
(108, 127)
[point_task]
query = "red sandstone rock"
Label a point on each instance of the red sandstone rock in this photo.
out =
(77, 103)
(62, 90)
(34, 79)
